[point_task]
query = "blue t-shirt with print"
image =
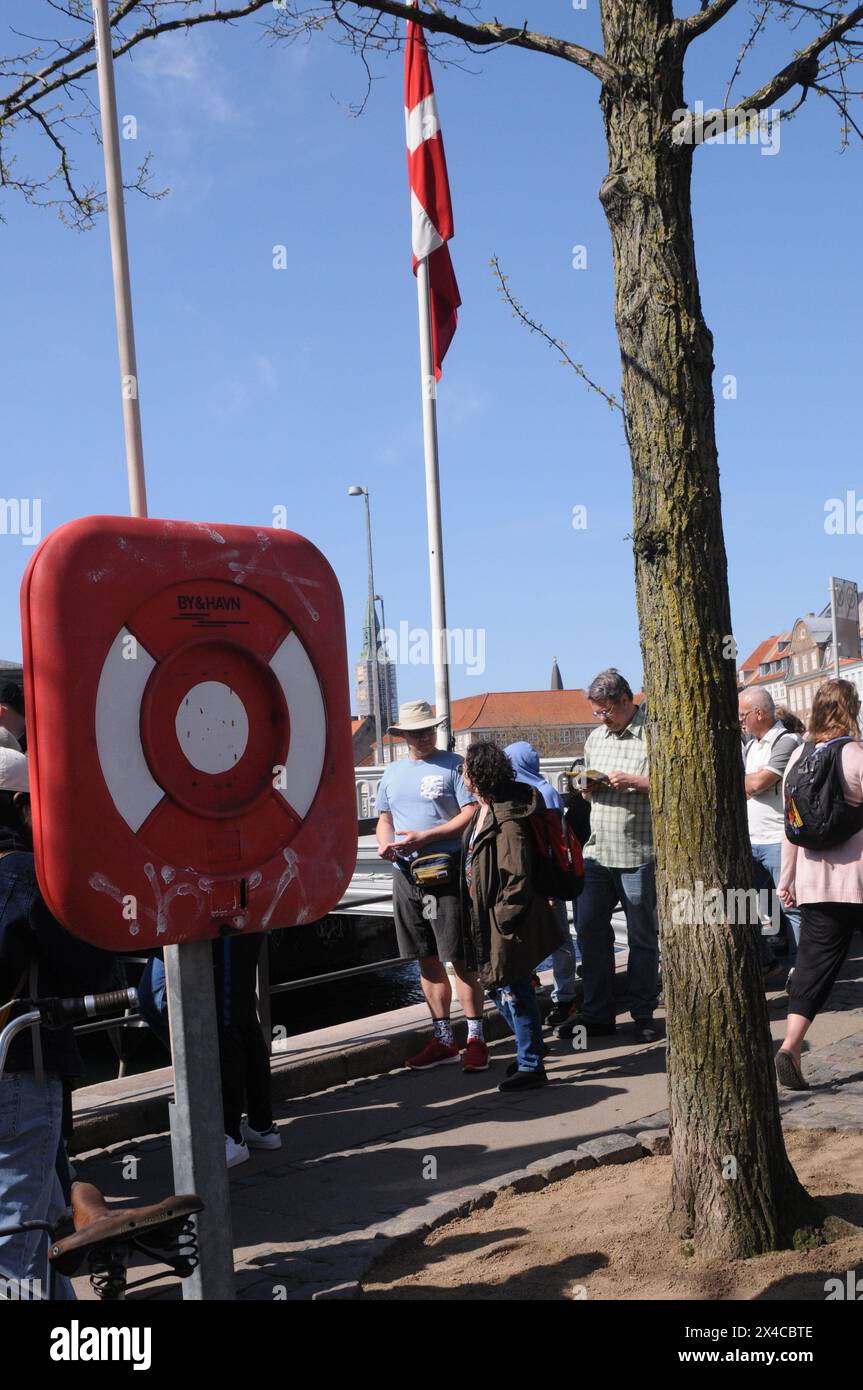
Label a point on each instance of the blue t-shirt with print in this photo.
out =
(422, 793)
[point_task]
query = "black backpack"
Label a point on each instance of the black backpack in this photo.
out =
(817, 816)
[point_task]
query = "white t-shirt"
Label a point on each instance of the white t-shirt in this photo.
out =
(765, 811)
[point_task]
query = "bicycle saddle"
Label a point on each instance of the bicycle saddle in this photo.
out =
(104, 1234)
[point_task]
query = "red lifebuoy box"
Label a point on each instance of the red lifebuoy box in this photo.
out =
(188, 730)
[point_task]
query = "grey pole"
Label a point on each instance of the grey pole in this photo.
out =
(120, 262)
(433, 511)
(833, 623)
(197, 1127)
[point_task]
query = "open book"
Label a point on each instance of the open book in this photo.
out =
(589, 777)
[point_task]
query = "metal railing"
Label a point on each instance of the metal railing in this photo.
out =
(554, 770)
(367, 780)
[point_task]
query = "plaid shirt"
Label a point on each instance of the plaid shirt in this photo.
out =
(621, 836)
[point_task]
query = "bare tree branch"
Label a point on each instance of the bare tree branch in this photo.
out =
(758, 25)
(520, 313)
(493, 35)
(707, 16)
(803, 69)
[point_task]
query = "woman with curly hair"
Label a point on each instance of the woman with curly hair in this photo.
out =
(827, 883)
(512, 927)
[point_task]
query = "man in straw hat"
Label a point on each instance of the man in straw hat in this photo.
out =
(423, 807)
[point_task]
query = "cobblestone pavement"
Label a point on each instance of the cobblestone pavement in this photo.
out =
(367, 1159)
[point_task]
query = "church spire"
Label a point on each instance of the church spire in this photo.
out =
(556, 677)
(370, 646)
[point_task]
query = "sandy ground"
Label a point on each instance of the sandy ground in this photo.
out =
(601, 1235)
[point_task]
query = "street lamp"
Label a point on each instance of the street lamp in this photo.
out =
(355, 491)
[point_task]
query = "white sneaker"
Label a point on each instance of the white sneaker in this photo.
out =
(235, 1153)
(262, 1139)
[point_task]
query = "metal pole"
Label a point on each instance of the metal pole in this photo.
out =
(435, 535)
(197, 1124)
(197, 1127)
(833, 622)
(120, 263)
(373, 636)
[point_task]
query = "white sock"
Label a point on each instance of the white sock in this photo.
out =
(443, 1031)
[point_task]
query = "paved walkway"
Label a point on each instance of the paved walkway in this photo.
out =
(359, 1160)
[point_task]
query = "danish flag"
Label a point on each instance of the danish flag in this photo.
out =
(431, 207)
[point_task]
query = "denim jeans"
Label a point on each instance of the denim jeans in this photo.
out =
(30, 1119)
(635, 890)
(767, 866)
(517, 1003)
(563, 959)
(153, 999)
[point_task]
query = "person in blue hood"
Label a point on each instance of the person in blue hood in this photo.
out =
(525, 762)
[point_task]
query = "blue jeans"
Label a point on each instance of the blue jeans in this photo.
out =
(767, 866)
(635, 890)
(517, 1003)
(563, 959)
(153, 999)
(30, 1119)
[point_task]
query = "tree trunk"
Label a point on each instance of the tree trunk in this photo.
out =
(733, 1189)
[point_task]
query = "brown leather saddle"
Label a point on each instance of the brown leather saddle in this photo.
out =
(106, 1238)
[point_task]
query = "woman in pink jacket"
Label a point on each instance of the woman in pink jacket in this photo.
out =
(827, 884)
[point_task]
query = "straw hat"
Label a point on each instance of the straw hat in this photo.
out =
(413, 716)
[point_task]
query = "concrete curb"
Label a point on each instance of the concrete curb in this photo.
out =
(406, 1230)
(403, 1231)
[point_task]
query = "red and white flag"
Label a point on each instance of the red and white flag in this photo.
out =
(431, 206)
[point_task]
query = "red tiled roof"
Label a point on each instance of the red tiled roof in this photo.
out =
(513, 708)
(754, 660)
(765, 680)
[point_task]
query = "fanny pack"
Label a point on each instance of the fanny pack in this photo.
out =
(433, 872)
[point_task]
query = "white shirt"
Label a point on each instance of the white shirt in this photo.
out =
(765, 811)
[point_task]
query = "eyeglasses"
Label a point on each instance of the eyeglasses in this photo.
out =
(603, 713)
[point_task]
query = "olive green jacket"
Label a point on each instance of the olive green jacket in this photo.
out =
(511, 927)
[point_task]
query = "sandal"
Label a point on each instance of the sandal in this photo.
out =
(789, 1073)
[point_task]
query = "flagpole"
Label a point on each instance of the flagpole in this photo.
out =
(435, 534)
(120, 262)
(197, 1138)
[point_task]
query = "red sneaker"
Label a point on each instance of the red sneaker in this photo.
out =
(434, 1054)
(475, 1056)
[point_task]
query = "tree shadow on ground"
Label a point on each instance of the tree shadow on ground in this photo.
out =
(541, 1283)
(815, 1285)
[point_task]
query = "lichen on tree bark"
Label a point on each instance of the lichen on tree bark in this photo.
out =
(733, 1188)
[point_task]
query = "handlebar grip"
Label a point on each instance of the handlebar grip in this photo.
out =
(59, 1011)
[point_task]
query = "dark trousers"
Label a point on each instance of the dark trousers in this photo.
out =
(825, 937)
(243, 1053)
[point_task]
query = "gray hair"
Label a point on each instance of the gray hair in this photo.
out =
(609, 685)
(761, 699)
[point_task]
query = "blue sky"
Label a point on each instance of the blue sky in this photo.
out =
(263, 388)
